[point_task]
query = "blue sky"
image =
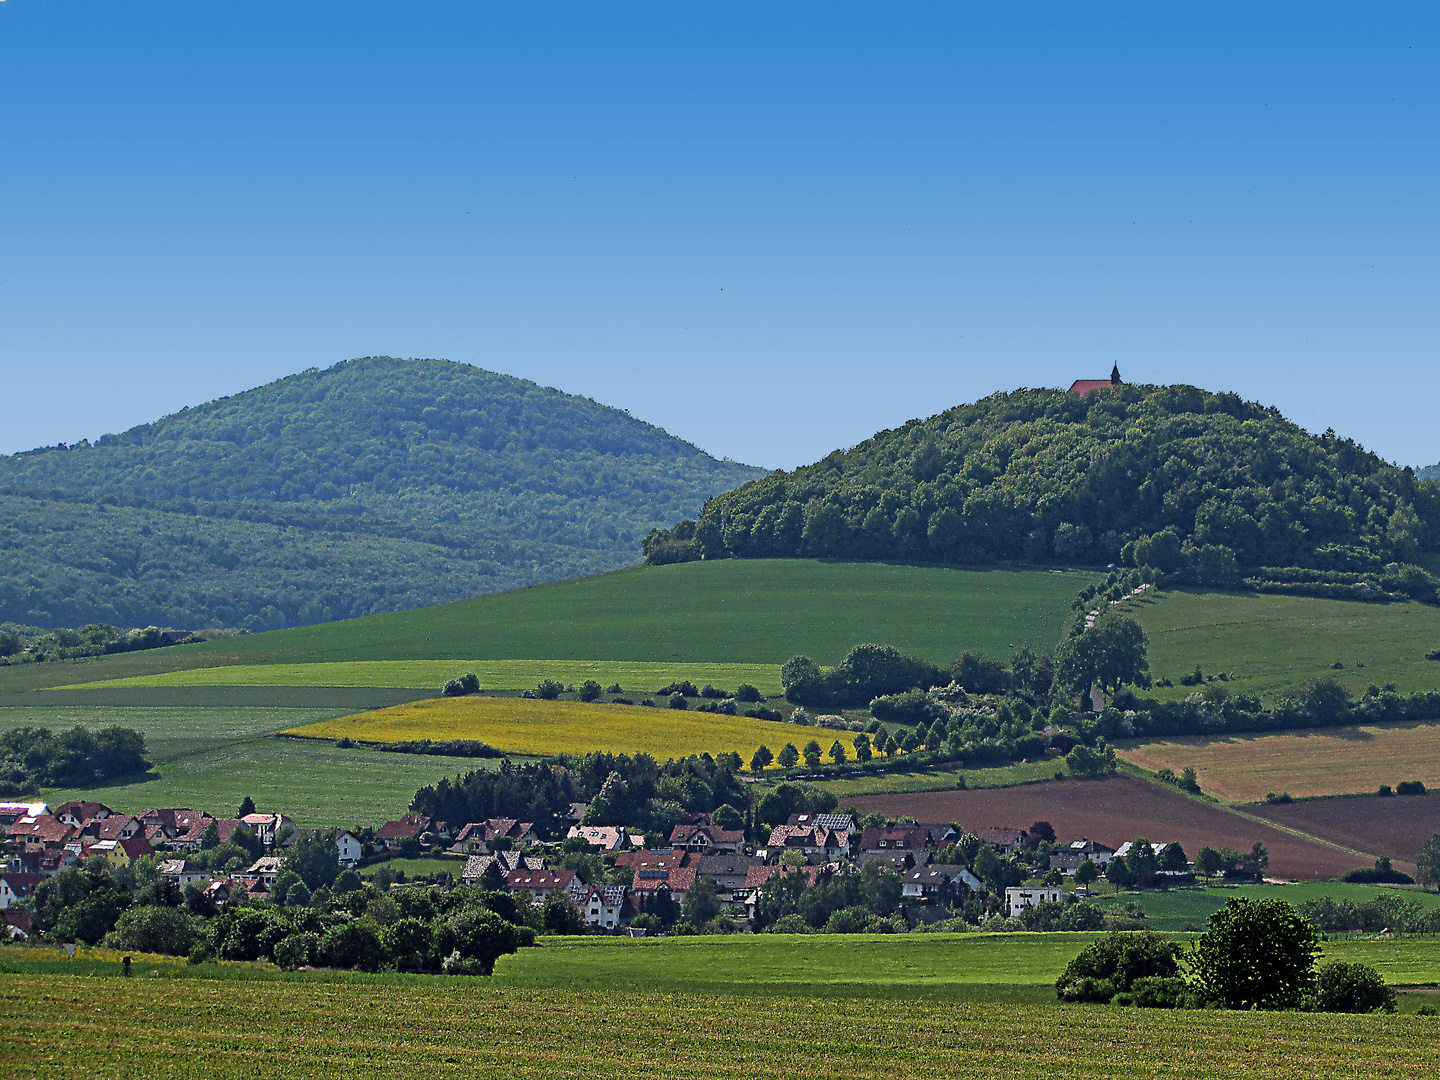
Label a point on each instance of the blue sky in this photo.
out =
(771, 229)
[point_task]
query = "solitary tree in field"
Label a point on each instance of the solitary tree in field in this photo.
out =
(1087, 873)
(1207, 862)
(788, 756)
(760, 759)
(1256, 954)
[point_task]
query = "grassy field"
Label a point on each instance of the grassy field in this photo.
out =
(941, 779)
(210, 759)
(1187, 909)
(635, 677)
(1318, 761)
(754, 611)
(529, 726)
(1273, 644)
(56, 1028)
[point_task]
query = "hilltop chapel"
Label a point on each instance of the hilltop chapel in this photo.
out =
(1084, 386)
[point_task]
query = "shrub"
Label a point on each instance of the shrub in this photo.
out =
(794, 923)
(297, 950)
(154, 929)
(1158, 992)
(614, 688)
(1278, 797)
(1381, 874)
(623, 701)
(708, 691)
(470, 683)
(590, 690)
(685, 688)
(1410, 787)
(678, 702)
(549, 690)
(760, 712)
(1114, 963)
(745, 692)
(1384, 791)
(1351, 988)
(453, 688)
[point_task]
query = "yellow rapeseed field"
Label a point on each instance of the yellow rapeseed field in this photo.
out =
(528, 726)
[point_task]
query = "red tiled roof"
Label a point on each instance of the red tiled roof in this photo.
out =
(684, 834)
(677, 879)
(904, 839)
(1084, 386)
(109, 828)
(757, 876)
(653, 859)
(408, 826)
(46, 829)
(22, 884)
(539, 879)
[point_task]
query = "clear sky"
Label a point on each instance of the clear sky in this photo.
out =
(772, 229)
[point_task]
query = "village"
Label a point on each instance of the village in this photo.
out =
(626, 886)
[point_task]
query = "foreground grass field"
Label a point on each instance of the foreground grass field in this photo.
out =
(754, 611)
(635, 677)
(1318, 761)
(212, 758)
(54, 1026)
(1273, 644)
(528, 726)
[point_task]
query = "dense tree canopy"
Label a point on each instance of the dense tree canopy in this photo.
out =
(370, 486)
(1044, 476)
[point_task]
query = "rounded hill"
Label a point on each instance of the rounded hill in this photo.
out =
(1048, 476)
(373, 485)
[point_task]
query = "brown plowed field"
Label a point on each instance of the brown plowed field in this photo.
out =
(1115, 810)
(1397, 826)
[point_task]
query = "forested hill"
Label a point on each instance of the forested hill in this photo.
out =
(373, 485)
(1046, 476)
(1430, 472)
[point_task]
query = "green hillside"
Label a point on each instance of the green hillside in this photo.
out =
(751, 611)
(1042, 475)
(1431, 472)
(374, 485)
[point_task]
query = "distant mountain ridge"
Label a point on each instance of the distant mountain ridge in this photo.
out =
(1430, 472)
(373, 485)
(1044, 476)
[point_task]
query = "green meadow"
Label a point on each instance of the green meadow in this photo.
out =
(944, 779)
(1272, 645)
(734, 611)
(211, 758)
(1187, 909)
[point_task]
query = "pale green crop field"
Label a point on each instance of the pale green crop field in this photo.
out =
(636, 677)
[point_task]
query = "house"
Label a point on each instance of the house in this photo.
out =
(1124, 850)
(17, 887)
(47, 861)
(393, 833)
(112, 827)
(757, 876)
(602, 905)
(117, 852)
(250, 886)
(11, 812)
(942, 834)
(218, 892)
(838, 822)
(707, 838)
(478, 837)
(910, 838)
(17, 924)
(811, 840)
(600, 837)
(1004, 841)
(1017, 900)
(267, 826)
(728, 871)
(266, 868)
(1068, 859)
(184, 828)
(541, 883)
(651, 880)
(79, 813)
(184, 873)
(45, 832)
(477, 865)
(1084, 386)
(347, 846)
(938, 882)
(576, 812)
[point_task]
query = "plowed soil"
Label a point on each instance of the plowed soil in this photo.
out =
(1397, 826)
(1117, 809)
